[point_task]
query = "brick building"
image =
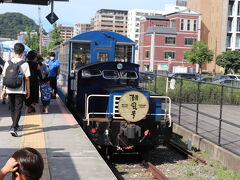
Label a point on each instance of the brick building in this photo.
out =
(164, 39)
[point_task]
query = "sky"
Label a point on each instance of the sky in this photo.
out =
(80, 11)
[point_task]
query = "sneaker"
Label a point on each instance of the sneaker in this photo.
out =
(13, 132)
(19, 128)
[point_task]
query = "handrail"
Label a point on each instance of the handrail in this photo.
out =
(93, 95)
(87, 114)
(169, 107)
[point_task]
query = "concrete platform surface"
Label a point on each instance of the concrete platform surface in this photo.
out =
(68, 153)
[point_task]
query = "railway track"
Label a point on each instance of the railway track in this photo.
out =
(131, 168)
(134, 167)
(186, 153)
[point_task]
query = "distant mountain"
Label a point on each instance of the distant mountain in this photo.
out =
(13, 23)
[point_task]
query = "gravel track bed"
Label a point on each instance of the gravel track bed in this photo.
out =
(173, 164)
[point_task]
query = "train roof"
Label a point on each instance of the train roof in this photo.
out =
(93, 35)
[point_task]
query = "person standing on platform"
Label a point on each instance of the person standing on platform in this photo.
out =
(34, 81)
(16, 66)
(46, 92)
(43, 68)
(54, 69)
(2, 62)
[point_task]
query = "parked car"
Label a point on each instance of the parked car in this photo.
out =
(234, 76)
(185, 75)
(221, 76)
(206, 79)
(228, 82)
(146, 76)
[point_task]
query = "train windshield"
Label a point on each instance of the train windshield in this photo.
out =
(86, 73)
(110, 74)
(128, 75)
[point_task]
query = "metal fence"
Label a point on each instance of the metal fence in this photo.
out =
(207, 109)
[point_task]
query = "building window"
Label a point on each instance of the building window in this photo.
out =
(170, 40)
(170, 54)
(147, 54)
(195, 25)
(189, 41)
(161, 25)
(188, 24)
(173, 23)
(182, 24)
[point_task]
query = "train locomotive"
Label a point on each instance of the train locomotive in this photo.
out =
(104, 93)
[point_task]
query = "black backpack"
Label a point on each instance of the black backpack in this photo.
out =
(13, 77)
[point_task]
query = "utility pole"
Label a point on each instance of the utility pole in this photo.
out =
(40, 30)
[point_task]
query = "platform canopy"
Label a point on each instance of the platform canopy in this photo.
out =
(33, 2)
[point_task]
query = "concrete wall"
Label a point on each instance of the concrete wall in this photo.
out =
(231, 160)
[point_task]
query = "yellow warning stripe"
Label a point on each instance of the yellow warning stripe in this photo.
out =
(33, 136)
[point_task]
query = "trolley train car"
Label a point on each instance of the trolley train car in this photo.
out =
(104, 91)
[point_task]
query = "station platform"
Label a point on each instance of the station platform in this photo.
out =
(68, 153)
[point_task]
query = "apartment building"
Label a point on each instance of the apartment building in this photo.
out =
(164, 40)
(134, 17)
(220, 26)
(81, 28)
(45, 40)
(111, 20)
(66, 32)
(181, 2)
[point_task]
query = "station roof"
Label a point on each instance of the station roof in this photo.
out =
(93, 35)
(32, 2)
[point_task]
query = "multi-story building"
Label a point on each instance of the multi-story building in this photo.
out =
(133, 25)
(164, 40)
(220, 26)
(21, 37)
(81, 28)
(111, 20)
(45, 40)
(66, 32)
(181, 2)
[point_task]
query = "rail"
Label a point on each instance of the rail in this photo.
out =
(167, 109)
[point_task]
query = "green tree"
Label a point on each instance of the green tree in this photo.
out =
(32, 39)
(230, 60)
(55, 38)
(199, 54)
(13, 23)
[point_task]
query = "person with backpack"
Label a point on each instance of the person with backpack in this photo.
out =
(16, 75)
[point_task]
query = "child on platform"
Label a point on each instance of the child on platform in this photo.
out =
(46, 92)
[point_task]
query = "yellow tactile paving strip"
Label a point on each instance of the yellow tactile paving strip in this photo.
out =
(33, 136)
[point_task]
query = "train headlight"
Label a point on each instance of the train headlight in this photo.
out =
(119, 66)
(133, 106)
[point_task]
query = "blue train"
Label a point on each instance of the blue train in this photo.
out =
(104, 93)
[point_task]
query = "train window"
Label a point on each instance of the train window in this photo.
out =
(109, 74)
(123, 53)
(87, 73)
(128, 75)
(102, 57)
